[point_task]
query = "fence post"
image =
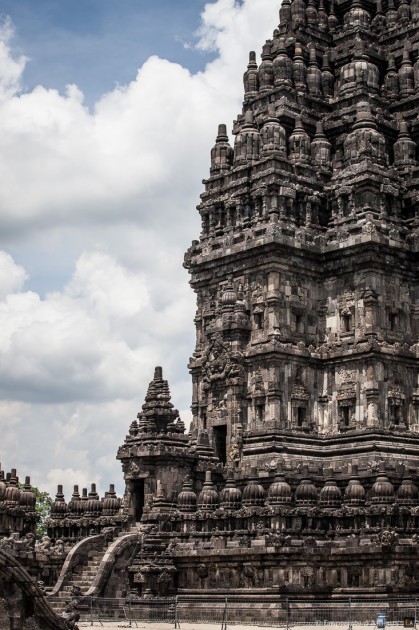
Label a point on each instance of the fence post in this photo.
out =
(224, 622)
(350, 615)
(287, 612)
(416, 604)
(129, 612)
(177, 624)
(91, 611)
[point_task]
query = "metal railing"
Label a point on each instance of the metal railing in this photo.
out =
(270, 611)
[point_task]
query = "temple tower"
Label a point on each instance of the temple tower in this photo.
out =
(306, 269)
(300, 471)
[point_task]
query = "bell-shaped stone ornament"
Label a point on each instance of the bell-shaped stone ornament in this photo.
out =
(246, 146)
(406, 76)
(321, 149)
(298, 14)
(357, 17)
(403, 11)
(360, 71)
(282, 66)
(392, 16)
(299, 144)
(311, 13)
(273, 137)
(365, 142)
(314, 75)
(266, 71)
(391, 80)
(285, 12)
(379, 20)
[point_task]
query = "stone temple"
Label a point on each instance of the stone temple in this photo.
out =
(300, 470)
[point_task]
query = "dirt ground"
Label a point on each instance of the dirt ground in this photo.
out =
(140, 625)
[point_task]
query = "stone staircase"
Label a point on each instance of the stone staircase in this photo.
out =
(76, 573)
(84, 578)
(91, 573)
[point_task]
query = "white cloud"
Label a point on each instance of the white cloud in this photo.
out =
(103, 203)
(12, 276)
(86, 342)
(12, 66)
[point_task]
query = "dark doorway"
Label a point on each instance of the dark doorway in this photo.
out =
(220, 442)
(138, 498)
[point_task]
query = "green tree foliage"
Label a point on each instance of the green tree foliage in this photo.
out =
(43, 509)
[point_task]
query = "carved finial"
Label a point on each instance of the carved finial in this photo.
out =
(222, 153)
(285, 12)
(251, 76)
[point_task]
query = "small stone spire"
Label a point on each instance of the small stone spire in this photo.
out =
(403, 11)
(357, 17)
(222, 153)
(299, 70)
(208, 497)
(251, 77)
(273, 136)
(365, 141)
(298, 14)
(321, 149)
(158, 413)
(406, 76)
(59, 506)
(282, 66)
(285, 12)
(311, 13)
(404, 148)
(314, 75)
(332, 20)
(246, 145)
(391, 15)
(59, 496)
(391, 80)
(186, 501)
(322, 17)
(92, 494)
(379, 19)
(266, 72)
(328, 79)
(28, 498)
(299, 144)
(74, 505)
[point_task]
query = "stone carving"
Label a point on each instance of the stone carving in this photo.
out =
(71, 615)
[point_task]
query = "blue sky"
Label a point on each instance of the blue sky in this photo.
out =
(108, 112)
(100, 43)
